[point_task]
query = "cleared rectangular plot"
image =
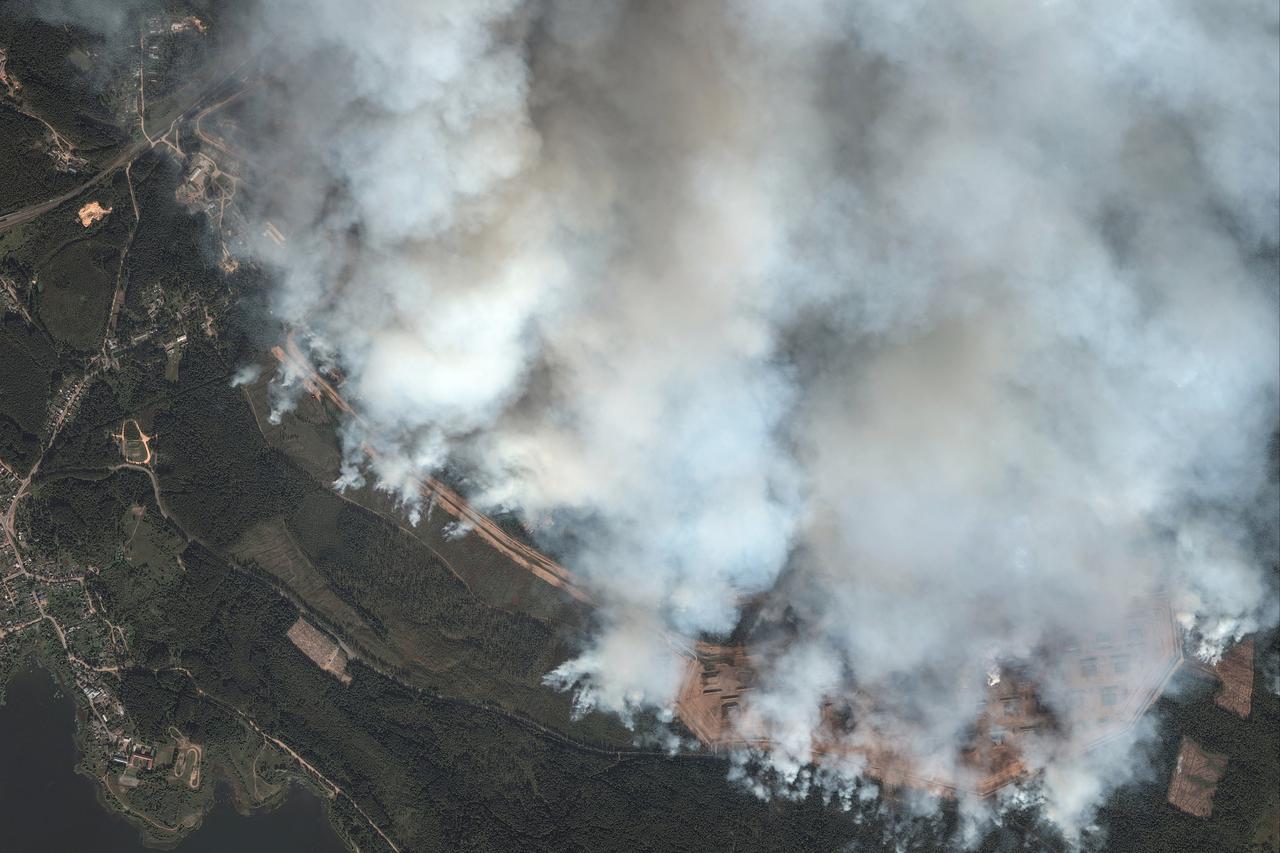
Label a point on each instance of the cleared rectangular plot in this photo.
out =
(322, 650)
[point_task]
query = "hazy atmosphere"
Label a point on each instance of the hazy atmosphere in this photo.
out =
(913, 338)
(957, 326)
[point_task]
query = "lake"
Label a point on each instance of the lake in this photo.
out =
(45, 805)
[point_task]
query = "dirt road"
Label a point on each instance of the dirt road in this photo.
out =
(528, 558)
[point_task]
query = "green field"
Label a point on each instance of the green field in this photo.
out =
(76, 287)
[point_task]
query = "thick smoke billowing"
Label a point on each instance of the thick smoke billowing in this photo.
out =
(954, 325)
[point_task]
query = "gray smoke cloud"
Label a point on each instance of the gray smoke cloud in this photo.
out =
(116, 20)
(953, 327)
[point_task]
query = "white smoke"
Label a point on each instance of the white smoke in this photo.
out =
(953, 326)
(246, 375)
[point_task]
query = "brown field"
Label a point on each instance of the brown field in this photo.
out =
(323, 651)
(270, 544)
(1145, 649)
(306, 435)
(1235, 670)
(424, 657)
(91, 213)
(714, 702)
(1195, 779)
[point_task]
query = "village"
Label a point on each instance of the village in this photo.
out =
(51, 598)
(48, 602)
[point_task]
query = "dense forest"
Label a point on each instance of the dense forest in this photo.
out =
(444, 737)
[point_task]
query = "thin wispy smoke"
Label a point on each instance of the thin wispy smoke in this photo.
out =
(952, 326)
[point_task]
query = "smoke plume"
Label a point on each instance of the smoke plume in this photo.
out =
(953, 327)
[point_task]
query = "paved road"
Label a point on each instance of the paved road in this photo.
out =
(130, 153)
(26, 214)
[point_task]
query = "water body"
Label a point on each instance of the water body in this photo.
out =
(45, 805)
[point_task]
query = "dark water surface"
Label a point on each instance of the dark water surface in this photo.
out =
(46, 806)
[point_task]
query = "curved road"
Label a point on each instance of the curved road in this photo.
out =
(126, 156)
(26, 214)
